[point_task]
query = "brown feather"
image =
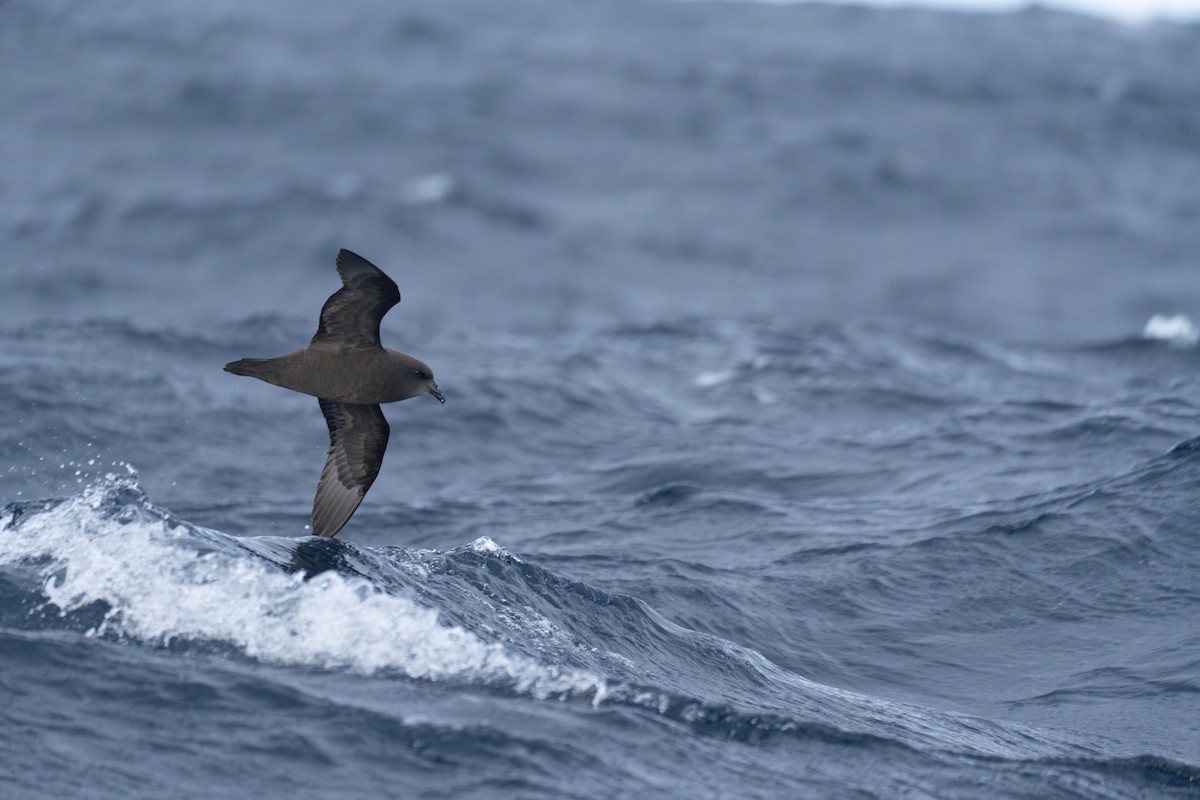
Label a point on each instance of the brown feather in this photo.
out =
(358, 436)
(350, 317)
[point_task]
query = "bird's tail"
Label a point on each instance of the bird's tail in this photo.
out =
(254, 367)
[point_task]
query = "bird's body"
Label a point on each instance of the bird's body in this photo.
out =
(361, 376)
(350, 372)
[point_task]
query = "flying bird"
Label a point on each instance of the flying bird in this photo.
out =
(350, 373)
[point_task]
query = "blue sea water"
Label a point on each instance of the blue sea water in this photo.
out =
(805, 433)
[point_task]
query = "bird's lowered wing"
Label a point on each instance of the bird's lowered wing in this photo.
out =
(358, 436)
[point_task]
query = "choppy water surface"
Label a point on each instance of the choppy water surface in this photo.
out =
(852, 558)
(909, 511)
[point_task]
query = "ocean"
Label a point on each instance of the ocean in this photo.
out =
(822, 413)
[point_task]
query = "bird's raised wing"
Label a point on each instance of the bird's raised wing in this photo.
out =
(350, 317)
(358, 435)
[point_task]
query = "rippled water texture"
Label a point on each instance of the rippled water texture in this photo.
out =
(822, 403)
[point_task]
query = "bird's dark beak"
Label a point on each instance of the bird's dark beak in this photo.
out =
(436, 392)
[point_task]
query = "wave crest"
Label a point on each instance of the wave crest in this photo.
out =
(162, 581)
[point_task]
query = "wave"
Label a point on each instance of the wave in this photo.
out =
(114, 566)
(685, 371)
(107, 563)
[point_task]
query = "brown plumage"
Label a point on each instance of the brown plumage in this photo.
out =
(350, 373)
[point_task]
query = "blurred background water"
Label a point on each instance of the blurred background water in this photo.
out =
(821, 393)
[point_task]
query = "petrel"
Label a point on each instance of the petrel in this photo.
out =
(350, 373)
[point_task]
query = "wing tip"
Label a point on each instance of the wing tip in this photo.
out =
(352, 268)
(329, 517)
(327, 534)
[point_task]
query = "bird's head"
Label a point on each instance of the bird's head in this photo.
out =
(420, 376)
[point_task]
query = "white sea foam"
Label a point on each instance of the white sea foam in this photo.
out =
(429, 189)
(765, 396)
(161, 589)
(1130, 12)
(487, 547)
(1178, 330)
(706, 380)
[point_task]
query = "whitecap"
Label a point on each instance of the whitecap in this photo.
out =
(160, 587)
(429, 189)
(706, 380)
(1177, 330)
(765, 396)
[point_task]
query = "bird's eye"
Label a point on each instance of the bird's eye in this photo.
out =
(419, 374)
